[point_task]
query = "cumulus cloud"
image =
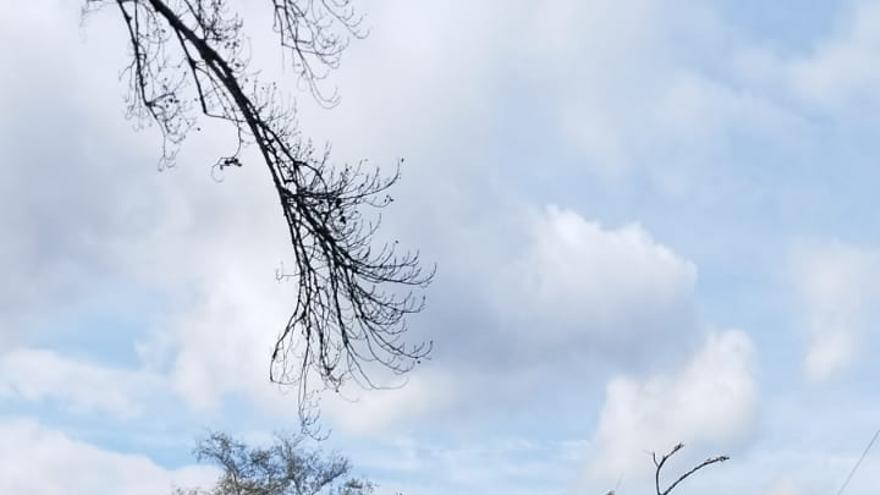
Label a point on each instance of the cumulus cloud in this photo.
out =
(838, 290)
(575, 299)
(577, 291)
(605, 283)
(40, 461)
(710, 401)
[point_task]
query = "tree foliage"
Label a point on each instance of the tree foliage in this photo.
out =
(285, 467)
(189, 59)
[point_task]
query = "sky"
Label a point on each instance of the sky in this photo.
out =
(654, 222)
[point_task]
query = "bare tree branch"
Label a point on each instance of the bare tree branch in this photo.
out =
(658, 464)
(352, 296)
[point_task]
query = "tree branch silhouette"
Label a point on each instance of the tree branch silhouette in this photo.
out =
(352, 297)
(658, 464)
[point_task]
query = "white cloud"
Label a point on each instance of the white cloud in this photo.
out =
(213, 247)
(842, 71)
(60, 215)
(633, 85)
(667, 92)
(95, 218)
(40, 461)
(608, 282)
(41, 375)
(580, 289)
(637, 85)
(837, 75)
(574, 300)
(711, 401)
(837, 290)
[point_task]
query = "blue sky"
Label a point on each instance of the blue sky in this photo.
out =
(654, 222)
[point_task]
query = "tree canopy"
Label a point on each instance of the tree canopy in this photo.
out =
(285, 467)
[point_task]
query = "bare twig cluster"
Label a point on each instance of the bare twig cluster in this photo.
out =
(659, 463)
(189, 57)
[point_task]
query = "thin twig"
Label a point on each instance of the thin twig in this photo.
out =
(858, 463)
(659, 466)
